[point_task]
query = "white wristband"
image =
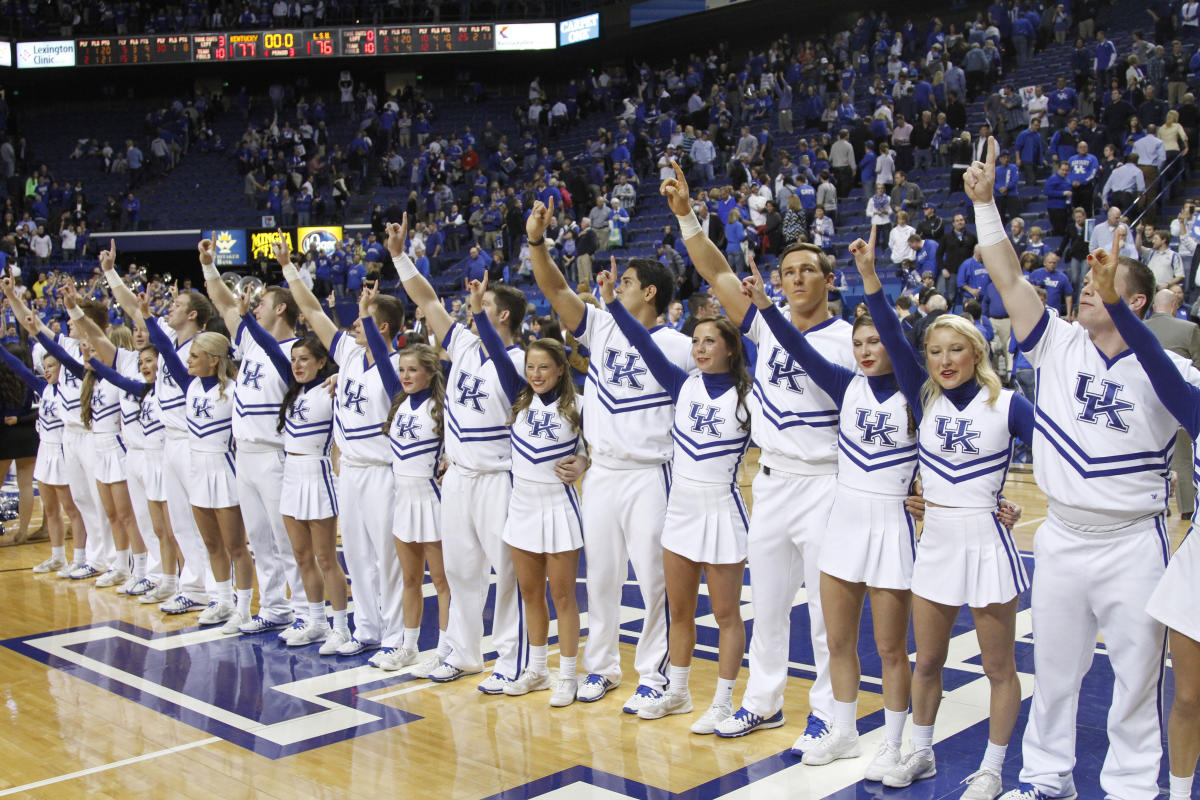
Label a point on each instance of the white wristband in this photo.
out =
(405, 268)
(112, 277)
(75, 313)
(291, 274)
(210, 272)
(689, 225)
(989, 228)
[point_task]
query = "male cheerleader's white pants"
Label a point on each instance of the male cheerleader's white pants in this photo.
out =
(623, 513)
(196, 581)
(365, 495)
(474, 507)
(1085, 584)
(787, 526)
(79, 455)
(135, 480)
(260, 481)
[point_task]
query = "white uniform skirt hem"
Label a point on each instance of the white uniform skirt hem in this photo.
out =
(1177, 596)
(309, 488)
(543, 517)
(212, 480)
(417, 515)
(50, 467)
(110, 458)
(966, 557)
(706, 522)
(875, 538)
(152, 474)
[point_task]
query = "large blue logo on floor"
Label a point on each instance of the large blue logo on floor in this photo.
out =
(252, 691)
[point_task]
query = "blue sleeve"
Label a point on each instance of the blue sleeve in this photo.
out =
(1020, 418)
(905, 364)
(1180, 397)
(54, 349)
(383, 361)
(107, 373)
(170, 358)
(670, 376)
(267, 342)
(511, 381)
(832, 378)
(23, 372)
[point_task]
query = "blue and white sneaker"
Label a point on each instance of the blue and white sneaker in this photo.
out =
(1027, 791)
(377, 659)
(259, 624)
(641, 698)
(494, 683)
(83, 572)
(447, 672)
(353, 647)
(295, 629)
(816, 730)
(743, 722)
(141, 587)
(180, 604)
(595, 687)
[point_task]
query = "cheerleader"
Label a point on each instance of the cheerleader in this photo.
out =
(1177, 597)
(706, 521)
(543, 531)
(212, 487)
(966, 424)
(414, 427)
(49, 470)
(19, 444)
(308, 499)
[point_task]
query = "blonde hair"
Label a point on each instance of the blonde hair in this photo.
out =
(985, 376)
(217, 345)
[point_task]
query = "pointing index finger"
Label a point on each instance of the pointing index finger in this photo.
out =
(678, 171)
(871, 240)
(990, 163)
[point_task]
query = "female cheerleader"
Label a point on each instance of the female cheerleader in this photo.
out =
(414, 427)
(966, 424)
(706, 522)
(1177, 596)
(212, 488)
(877, 461)
(19, 442)
(308, 501)
(49, 470)
(543, 531)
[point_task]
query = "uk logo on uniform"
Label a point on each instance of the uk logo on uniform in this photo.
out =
(704, 419)
(626, 372)
(543, 425)
(406, 426)
(202, 407)
(880, 428)
(959, 438)
(469, 393)
(1104, 404)
(252, 374)
(785, 369)
(299, 410)
(354, 397)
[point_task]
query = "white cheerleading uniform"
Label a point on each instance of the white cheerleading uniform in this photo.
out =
(309, 486)
(49, 467)
(627, 421)
(107, 419)
(263, 375)
(154, 438)
(795, 426)
(1102, 451)
(366, 494)
(475, 495)
(210, 435)
(416, 448)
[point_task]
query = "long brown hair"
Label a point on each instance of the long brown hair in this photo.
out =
(737, 365)
(122, 338)
(315, 348)
(427, 357)
(565, 386)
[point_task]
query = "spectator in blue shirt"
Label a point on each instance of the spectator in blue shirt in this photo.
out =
(1031, 151)
(1061, 104)
(1060, 294)
(355, 275)
(1058, 193)
(1082, 174)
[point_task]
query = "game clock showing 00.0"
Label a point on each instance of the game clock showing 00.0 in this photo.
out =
(265, 45)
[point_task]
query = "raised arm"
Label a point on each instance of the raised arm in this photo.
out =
(218, 292)
(1004, 268)
(124, 296)
(510, 380)
(170, 357)
(318, 321)
(832, 378)
(66, 359)
(549, 277)
(125, 384)
(419, 290)
(21, 311)
(670, 376)
(383, 363)
(266, 341)
(106, 351)
(23, 372)
(706, 258)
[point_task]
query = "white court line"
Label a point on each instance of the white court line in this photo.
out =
(1033, 521)
(113, 765)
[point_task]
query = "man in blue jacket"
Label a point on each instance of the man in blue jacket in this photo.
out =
(1058, 193)
(1083, 169)
(1006, 185)
(1031, 152)
(1062, 104)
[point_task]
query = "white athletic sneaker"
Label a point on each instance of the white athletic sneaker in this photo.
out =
(643, 696)
(258, 624)
(493, 684)
(1029, 792)
(671, 702)
(983, 784)
(564, 692)
(399, 658)
(294, 629)
(159, 594)
(886, 757)
(216, 612)
(712, 718)
(376, 659)
(308, 634)
(68, 568)
(181, 604)
(335, 641)
(816, 730)
(529, 681)
(51, 564)
(838, 744)
(741, 722)
(139, 587)
(913, 767)
(83, 571)
(595, 687)
(446, 672)
(232, 626)
(114, 577)
(129, 583)
(426, 667)
(353, 647)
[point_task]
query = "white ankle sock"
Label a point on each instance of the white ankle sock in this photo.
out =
(993, 757)
(139, 565)
(677, 678)
(845, 716)
(567, 666)
(244, 596)
(922, 737)
(537, 658)
(171, 583)
(410, 638)
(316, 614)
(121, 562)
(59, 552)
(1181, 788)
(443, 648)
(893, 725)
(340, 622)
(724, 693)
(224, 592)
